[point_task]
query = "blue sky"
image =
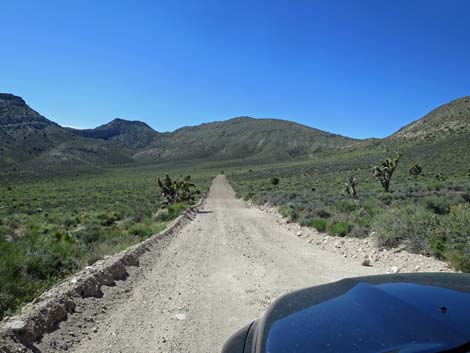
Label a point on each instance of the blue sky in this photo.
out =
(358, 68)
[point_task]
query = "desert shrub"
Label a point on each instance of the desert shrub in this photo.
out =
(438, 205)
(90, 234)
(71, 221)
(319, 224)
(289, 211)
(106, 218)
(323, 213)
(409, 224)
(372, 205)
(436, 186)
(345, 206)
(139, 213)
(359, 231)
(340, 229)
(171, 212)
(386, 199)
(451, 237)
(248, 195)
(141, 230)
(466, 197)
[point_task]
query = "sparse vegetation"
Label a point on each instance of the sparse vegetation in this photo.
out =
(50, 228)
(424, 215)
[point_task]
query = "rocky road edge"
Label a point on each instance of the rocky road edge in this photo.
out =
(19, 333)
(364, 250)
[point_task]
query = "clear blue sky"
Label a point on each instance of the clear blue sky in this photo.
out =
(359, 68)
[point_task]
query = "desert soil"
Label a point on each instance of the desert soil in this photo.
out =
(219, 273)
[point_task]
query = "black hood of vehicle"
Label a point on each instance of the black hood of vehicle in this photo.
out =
(392, 313)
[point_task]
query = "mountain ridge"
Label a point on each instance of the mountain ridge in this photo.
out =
(29, 139)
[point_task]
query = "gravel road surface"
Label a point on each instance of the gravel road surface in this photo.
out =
(217, 274)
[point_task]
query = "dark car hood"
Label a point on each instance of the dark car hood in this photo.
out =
(392, 313)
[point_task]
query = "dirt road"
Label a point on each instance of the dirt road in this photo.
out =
(216, 275)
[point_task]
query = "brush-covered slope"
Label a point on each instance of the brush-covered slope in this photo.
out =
(131, 134)
(440, 140)
(449, 119)
(243, 137)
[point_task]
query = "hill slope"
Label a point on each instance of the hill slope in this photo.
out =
(243, 137)
(448, 119)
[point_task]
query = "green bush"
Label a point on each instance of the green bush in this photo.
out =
(409, 224)
(438, 205)
(340, 229)
(171, 212)
(345, 206)
(436, 186)
(140, 230)
(322, 213)
(319, 224)
(289, 211)
(452, 236)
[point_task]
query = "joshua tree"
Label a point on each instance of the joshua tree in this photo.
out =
(177, 190)
(384, 173)
(416, 170)
(274, 181)
(168, 189)
(351, 187)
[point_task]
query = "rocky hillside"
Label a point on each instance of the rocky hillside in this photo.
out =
(24, 133)
(27, 139)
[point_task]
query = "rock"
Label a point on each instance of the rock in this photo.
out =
(365, 262)
(417, 268)
(16, 325)
(394, 269)
(181, 316)
(299, 234)
(95, 329)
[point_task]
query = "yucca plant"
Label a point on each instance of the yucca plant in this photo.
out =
(383, 174)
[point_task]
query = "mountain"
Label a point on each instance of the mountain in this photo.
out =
(132, 134)
(29, 140)
(448, 119)
(24, 133)
(243, 137)
(440, 139)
